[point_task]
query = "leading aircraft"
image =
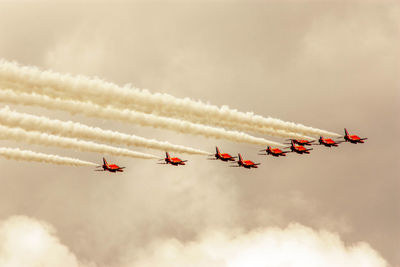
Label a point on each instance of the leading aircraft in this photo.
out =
(275, 152)
(299, 149)
(173, 161)
(222, 156)
(354, 139)
(248, 164)
(110, 167)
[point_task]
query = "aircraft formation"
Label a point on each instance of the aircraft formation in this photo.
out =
(31, 86)
(296, 146)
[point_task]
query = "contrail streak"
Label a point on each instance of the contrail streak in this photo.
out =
(77, 130)
(27, 155)
(32, 137)
(130, 116)
(95, 90)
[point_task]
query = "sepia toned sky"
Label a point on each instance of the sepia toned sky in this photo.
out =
(326, 64)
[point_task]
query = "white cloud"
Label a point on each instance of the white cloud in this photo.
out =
(28, 242)
(294, 246)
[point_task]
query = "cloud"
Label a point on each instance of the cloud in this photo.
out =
(90, 52)
(294, 246)
(28, 242)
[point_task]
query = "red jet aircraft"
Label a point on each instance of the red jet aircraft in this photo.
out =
(299, 149)
(222, 156)
(354, 139)
(328, 142)
(173, 161)
(110, 167)
(302, 142)
(248, 164)
(275, 152)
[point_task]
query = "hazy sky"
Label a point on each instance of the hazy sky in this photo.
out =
(326, 64)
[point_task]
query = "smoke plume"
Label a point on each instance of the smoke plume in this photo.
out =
(54, 84)
(27, 155)
(80, 131)
(32, 137)
(130, 116)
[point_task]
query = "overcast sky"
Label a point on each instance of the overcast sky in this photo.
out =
(326, 64)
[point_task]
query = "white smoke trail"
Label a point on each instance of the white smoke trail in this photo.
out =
(130, 116)
(77, 130)
(32, 137)
(27, 155)
(83, 88)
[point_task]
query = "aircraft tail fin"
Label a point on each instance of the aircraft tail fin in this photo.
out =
(240, 157)
(217, 150)
(346, 132)
(105, 161)
(167, 155)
